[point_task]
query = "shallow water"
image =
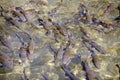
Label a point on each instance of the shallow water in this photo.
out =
(66, 16)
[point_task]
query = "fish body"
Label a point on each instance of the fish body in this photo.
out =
(13, 22)
(67, 55)
(18, 15)
(5, 42)
(68, 73)
(97, 47)
(58, 59)
(30, 49)
(23, 54)
(20, 10)
(95, 60)
(90, 74)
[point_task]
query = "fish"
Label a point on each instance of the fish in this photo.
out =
(53, 11)
(117, 65)
(6, 42)
(1, 11)
(90, 74)
(95, 58)
(23, 54)
(67, 55)
(117, 18)
(18, 15)
(97, 47)
(96, 61)
(47, 25)
(53, 50)
(13, 22)
(68, 73)
(58, 58)
(20, 39)
(44, 77)
(25, 74)
(6, 63)
(30, 49)
(22, 12)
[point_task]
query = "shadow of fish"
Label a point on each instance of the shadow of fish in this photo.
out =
(68, 73)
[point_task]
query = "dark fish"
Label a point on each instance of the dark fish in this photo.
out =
(22, 12)
(68, 73)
